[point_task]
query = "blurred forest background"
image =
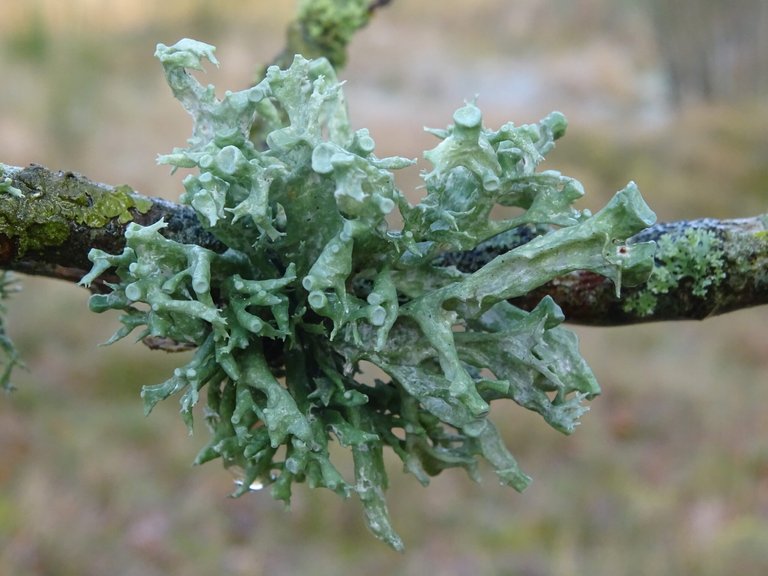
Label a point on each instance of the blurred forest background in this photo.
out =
(668, 474)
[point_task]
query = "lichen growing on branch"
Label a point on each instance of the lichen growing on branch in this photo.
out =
(9, 356)
(315, 281)
(694, 256)
(324, 28)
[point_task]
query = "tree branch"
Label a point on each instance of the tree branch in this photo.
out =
(703, 268)
(53, 219)
(324, 29)
(50, 220)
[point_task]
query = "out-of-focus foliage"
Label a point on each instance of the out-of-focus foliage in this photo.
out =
(712, 51)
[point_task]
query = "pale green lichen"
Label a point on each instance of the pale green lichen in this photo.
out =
(6, 182)
(9, 356)
(315, 281)
(695, 256)
(7, 187)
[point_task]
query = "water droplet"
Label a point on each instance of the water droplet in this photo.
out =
(239, 475)
(255, 486)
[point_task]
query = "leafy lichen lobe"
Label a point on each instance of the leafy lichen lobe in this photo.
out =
(314, 282)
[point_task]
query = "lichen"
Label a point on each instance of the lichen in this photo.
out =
(695, 257)
(7, 187)
(6, 181)
(315, 282)
(9, 356)
(325, 27)
(117, 203)
(43, 217)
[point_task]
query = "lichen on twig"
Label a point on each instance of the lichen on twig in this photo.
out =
(312, 267)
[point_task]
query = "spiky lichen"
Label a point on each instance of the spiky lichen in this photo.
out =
(694, 256)
(315, 281)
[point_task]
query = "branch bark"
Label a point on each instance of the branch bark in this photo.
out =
(48, 227)
(738, 280)
(50, 220)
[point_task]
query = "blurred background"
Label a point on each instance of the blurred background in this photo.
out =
(668, 474)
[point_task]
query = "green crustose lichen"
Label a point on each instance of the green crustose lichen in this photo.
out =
(42, 214)
(116, 204)
(695, 256)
